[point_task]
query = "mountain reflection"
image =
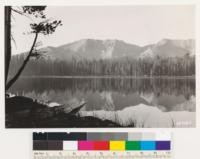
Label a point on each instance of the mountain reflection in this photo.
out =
(108, 93)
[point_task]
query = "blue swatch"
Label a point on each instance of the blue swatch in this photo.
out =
(148, 145)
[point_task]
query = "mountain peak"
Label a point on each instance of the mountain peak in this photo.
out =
(170, 48)
(94, 49)
(163, 42)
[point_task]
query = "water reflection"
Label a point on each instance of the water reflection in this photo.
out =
(108, 93)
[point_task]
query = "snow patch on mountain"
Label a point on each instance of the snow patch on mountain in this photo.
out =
(109, 48)
(147, 54)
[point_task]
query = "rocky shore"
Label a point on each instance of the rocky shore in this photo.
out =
(24, 112)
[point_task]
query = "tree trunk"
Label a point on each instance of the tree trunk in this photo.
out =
(13, 80)
(7, 40)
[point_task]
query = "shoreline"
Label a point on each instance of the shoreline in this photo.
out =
(112, 77)
(30, 113)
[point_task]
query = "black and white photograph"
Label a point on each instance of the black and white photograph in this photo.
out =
(100, 66)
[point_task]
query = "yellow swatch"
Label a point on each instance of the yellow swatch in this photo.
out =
(117, 145)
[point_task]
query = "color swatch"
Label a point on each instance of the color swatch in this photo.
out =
(99, 141)
(101, 145)
(117, 145)
(70, 145)
(133, 145)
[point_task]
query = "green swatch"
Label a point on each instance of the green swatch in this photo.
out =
(132, 145)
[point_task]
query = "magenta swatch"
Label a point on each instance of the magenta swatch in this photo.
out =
(85, 145)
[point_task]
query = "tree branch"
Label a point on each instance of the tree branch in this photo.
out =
(17, 11)
(14, 41)
(21, 13)
(10, 83)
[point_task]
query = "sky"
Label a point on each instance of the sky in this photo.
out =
(140, 25)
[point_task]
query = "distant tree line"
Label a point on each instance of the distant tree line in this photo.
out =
(172, 66)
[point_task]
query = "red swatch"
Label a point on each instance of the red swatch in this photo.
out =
(101, 145)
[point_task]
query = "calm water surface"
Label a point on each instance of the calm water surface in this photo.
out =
(108, 93)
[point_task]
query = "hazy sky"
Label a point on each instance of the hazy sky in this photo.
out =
(139, 25)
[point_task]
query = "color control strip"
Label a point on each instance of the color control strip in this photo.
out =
(101, 145)
(100, 141)
(108, 136)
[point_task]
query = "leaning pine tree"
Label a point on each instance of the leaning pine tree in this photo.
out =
(45, 27)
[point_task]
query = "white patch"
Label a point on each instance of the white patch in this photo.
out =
(149, 97)
(109, 103)
(145, 116)
(147, 54)
(109, 47)
(53, 104)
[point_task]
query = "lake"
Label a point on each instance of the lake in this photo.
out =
(110, 94)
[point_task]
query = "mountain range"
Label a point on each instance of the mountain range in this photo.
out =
(92, 49)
